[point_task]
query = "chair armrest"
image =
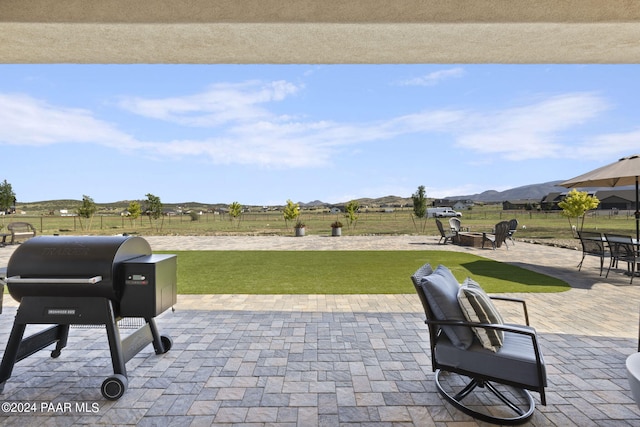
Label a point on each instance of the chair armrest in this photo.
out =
(517, 329)
(521, 301)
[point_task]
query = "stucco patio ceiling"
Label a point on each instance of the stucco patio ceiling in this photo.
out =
(319, 31)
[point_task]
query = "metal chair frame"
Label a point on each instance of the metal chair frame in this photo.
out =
(623, 249)
(592, 243)
(522, 411)
(513, 227)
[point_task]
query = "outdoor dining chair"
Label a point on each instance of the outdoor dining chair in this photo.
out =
(622, 249)
(592, 244)
(513, 227)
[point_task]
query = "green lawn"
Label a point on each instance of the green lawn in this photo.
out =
(342, 272)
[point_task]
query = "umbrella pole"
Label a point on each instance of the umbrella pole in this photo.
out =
(637, 213)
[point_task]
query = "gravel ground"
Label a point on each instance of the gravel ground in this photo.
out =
(559, 243)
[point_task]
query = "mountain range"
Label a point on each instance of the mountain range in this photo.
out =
(526, 192)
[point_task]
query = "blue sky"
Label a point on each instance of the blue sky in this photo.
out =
(262, 134)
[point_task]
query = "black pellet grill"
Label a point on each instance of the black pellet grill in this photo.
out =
(69, 280)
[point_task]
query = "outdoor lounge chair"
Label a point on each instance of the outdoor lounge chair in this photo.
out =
(508, 370)
(592, 244)
(498, 237)
(622, 249)
(454, 224)
(446, 235)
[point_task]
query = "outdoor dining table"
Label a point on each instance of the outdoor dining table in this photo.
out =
(635, 242)
(604, 239)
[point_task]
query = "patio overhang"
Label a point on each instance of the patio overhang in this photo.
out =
(319, 31)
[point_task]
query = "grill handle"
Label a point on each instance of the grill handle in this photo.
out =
(57, 280)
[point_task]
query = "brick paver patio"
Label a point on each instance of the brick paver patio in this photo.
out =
(326, 360)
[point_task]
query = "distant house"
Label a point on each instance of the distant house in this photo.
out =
(551, 200)
(462, 205)
(616, 199)
(609, 199)
(443, 202)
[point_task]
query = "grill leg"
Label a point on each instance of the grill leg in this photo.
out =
(11, 352)
(158, 345)
(63, 335)
(115, 345)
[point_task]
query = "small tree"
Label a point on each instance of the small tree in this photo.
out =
(235, 210)
(194, 215)
(154, 210)
(291, 212)
(351, 214)
(7, 196)
(86, 210)
(419, 209)
(576, 205)
(134, 210)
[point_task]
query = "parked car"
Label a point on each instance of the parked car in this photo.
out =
(442, 212)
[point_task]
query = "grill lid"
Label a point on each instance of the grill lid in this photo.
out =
(71, 265)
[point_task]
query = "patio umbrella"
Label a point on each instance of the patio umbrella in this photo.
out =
(621, 173)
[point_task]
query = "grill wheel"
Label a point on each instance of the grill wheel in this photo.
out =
(114, 387)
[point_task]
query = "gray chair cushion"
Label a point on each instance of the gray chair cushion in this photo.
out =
(515, 361)
(441, 289)
(425, 270)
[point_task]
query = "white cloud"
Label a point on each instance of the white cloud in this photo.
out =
(253, 135)
(434, 78)
(266, 153)
(529, 132)
(222, 103)
(609, 145)
(28, 121)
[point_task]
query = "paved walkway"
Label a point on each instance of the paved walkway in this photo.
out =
(327, 360)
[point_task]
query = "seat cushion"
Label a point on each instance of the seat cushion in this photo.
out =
(477, 307)
(514, 362)
(441, 290)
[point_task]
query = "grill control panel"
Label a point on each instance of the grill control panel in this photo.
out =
(136, 279)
